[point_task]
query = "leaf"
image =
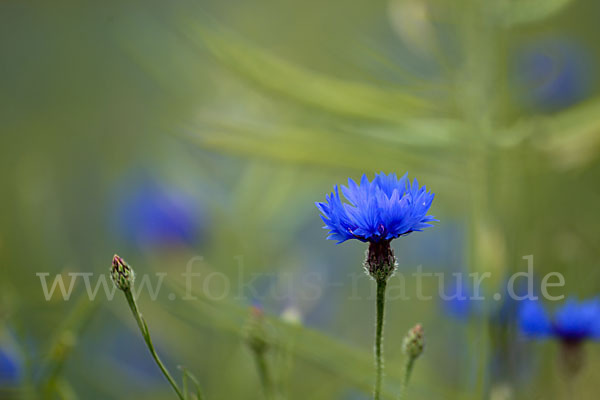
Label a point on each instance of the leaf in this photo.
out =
(331, 94)
(417, 145)
(570, 139)
(515, 12)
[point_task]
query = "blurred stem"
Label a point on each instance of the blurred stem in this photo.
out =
(410, 362)
(381, 284)
(479, 76)
(61, 349)
(146, 334)
(62, 344)
(572, 361)
(263, 371)
(65, 391)
(289, 363)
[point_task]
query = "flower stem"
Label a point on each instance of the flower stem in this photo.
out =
(407, 371)
(263, 372)
(381, 284)
(146, 334)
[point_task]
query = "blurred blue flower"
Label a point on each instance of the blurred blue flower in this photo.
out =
(462, 300)
(552, 74)
(511, 358)
(506, 313)
(572, 322)
(10, 368)
(383, 209)
(459, 303)
(148, 214)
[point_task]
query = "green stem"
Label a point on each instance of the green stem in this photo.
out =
(188, 375)
(146, 334)
(407, 371)
(381, 284)
(263, 372)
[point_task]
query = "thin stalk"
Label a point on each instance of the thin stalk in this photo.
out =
(381, 284)
(263, 372)
(407, 372)
(188, 375)
(63, 343)
(146, 334)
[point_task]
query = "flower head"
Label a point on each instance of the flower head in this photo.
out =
(573, 322)
(381, 210)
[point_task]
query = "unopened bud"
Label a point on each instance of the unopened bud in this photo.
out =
(414, 341)
(121, 274)
(255, 332)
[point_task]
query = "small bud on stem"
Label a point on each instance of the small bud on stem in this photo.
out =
(121, 274)
(414, 341)
(257, 339)
(254, 331)
(412, 347)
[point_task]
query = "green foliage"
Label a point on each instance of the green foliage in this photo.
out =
(257, 109)
(515, 12)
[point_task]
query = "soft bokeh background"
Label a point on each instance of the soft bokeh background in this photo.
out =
(168, 130)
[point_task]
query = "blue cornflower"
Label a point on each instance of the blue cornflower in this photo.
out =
(460, 303)
(10, 368)
(552, 74)
(376, 211)
(573, 322)
(150, 215)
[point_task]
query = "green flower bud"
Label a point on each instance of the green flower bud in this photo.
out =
(414, 341)
(255, 331)
(121, 274)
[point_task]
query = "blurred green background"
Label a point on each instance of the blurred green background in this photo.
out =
(168, 130)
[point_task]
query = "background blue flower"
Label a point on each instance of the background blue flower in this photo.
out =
(10, 368)
(552, 74)
(572, 322)
(462, 305)
(148, 214)
(383, 209)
